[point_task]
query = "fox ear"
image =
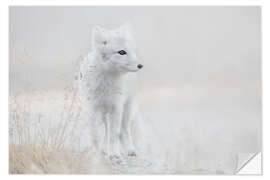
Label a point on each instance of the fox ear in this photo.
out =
(99, 36)
(125, 28)
(127, 31)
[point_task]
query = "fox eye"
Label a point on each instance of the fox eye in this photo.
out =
(122, 52)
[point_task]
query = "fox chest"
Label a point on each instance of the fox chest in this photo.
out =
(107, 98)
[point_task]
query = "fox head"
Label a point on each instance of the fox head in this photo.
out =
(116, 49)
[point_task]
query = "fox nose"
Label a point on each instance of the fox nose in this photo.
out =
(140, 66)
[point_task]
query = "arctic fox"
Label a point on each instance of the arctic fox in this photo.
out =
(104, 77)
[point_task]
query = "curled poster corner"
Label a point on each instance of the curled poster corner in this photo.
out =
(249, 163)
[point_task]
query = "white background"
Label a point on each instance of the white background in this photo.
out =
(4, 78)
(200, 88)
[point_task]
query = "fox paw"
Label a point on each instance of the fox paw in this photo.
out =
(132, 153)
(115, 158)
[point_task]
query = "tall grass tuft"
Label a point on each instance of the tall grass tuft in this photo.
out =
(42, 144)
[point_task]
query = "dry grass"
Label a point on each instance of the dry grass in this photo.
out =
(55, 149)
(29, 159)
(48, 140)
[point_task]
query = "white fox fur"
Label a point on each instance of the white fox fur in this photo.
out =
(108, 88)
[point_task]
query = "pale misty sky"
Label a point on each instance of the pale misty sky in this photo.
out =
(177, 45)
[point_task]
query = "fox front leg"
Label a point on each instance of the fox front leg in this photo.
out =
(125, 134)
(115, 118)
(105, 144)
